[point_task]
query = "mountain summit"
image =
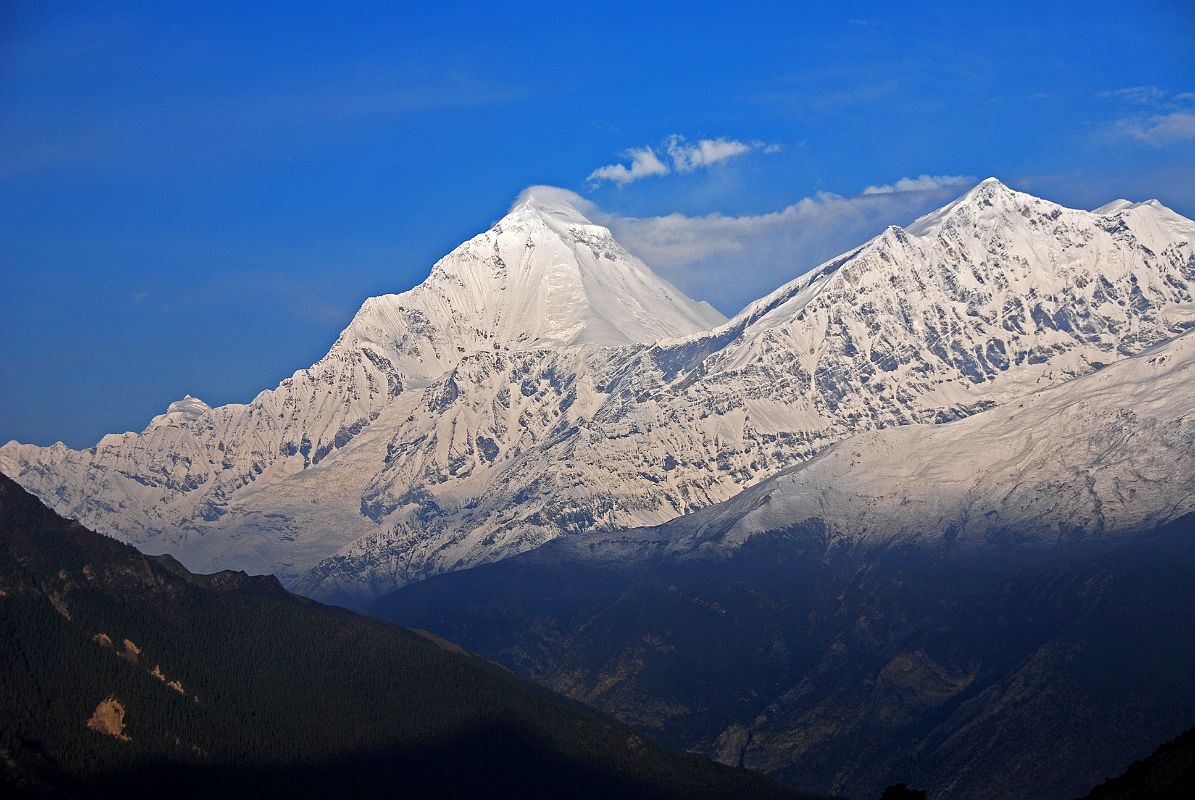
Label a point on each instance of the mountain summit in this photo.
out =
(543, 276)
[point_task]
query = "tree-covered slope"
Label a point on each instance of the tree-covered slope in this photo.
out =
(981, 673)
(1166, 773)
(122, 673)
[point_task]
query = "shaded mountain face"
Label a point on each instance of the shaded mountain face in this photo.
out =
(127, 674)
(989, 608)
(972, 675)
(494, 408)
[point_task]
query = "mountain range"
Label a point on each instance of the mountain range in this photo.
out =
(922, 515)
(543, 382)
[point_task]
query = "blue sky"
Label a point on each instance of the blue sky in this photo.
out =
(196, 197)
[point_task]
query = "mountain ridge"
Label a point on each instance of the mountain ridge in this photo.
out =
(825, 357)
(367, 471)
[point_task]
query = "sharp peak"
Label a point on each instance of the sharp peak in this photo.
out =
(992, 190)
(548, 207)
(990, 187)
(187, 403)
(988, 193)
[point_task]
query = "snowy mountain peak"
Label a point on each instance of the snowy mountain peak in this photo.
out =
(989, 202)
(1115, 206)
(187, 408)
(189, 404)
(991, 190)
(553, 205)
(994, 268)
(543, 276)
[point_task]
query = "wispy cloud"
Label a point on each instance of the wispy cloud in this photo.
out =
(1158, 130)
(644, 164)
(762, 251)
(685, 156)
(1163, 118)
(1136, 94)
(922, 183)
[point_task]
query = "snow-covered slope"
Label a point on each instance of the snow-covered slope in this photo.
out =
(1107, 454)
(544, 276)
(517, 394)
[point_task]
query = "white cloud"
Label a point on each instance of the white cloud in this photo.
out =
(1158, 130)
(1143, 95)
(644, 163)
(1163, 118)
(685, 157)
(688, 157)
(554, 196)
(732, 260)
(922, 183)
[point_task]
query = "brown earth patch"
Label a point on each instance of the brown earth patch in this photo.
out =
(175, 685)
(131, 652)
(108, 718)
(59, 604)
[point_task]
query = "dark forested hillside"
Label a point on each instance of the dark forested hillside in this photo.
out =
(122, 673)
(1168, 772)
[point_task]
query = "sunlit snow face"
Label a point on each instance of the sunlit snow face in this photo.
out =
(458, 423)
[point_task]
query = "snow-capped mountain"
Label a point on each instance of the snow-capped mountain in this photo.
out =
(198, 481)
(543, 381)
(994, 296)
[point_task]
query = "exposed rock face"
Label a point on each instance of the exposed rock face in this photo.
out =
(108, 718)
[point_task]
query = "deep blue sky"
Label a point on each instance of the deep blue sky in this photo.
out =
(195, 197)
